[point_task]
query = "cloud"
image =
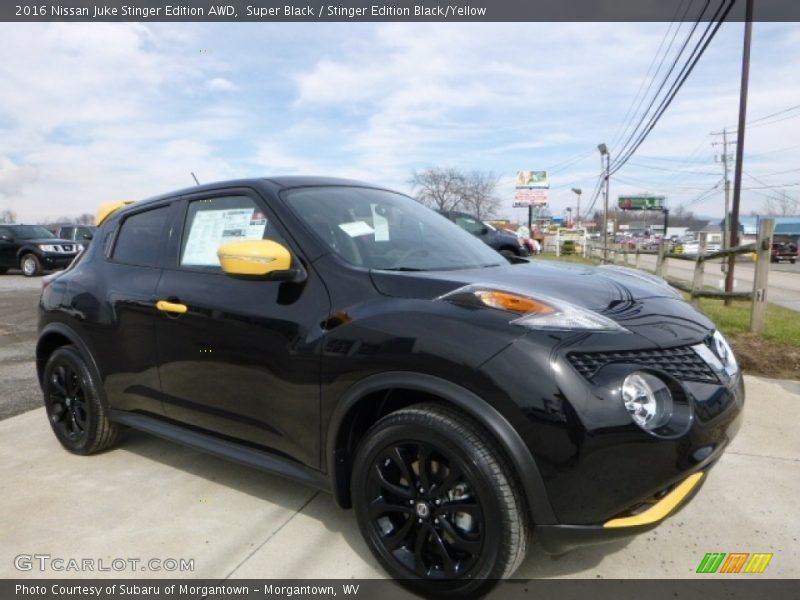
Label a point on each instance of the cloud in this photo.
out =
(13, 177)
(220, 84)
(100, 110)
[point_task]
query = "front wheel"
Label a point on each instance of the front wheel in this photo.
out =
(437, 503)
(30, 265)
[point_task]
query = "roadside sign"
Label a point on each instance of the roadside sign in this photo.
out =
(641, 202)
(532, 179)
(527, 197)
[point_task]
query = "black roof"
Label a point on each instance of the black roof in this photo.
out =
(282, 182)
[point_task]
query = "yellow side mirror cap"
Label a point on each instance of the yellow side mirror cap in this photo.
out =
(254, 258)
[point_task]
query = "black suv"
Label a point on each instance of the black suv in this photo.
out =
(504, 242)
(33, 249)
(350, 338)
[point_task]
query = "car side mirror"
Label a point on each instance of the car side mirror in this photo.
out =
(87, 236)
(259, 259)
(483, 231)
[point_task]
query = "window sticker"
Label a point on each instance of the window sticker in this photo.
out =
(212, 228)
(356, 228)
(380, 223)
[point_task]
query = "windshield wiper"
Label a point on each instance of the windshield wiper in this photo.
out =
(401, 269)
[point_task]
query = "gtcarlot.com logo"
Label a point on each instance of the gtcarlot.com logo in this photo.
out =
(734, 562)
(47, 562)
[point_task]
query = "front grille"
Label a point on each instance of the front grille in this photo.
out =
(682, 362)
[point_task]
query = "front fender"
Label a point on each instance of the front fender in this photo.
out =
(521, 459)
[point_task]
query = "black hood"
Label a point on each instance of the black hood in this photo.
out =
(596, 288)
(640, 302)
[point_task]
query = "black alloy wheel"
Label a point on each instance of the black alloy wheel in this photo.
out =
(436, 502)
(69, 412)
(425, 510)
(73, 403)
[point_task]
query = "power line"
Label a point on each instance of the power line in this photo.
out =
(666, 78)
(754, 122)
(620, 133)
(685, 171)
(697, 53)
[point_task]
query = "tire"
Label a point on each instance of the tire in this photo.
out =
(3, 270)
(74, 408)
(30, 265)
(792, 260)
(434, 551)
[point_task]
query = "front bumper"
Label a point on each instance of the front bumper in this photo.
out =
(56, 261)
(557, 539)
(599, 470)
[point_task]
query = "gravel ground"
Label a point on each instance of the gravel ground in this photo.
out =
(19, 390)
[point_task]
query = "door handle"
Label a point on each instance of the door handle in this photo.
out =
(171, 307)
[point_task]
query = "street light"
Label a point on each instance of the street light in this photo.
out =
(604, 153)
(578, 192)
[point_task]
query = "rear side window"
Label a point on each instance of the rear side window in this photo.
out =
(213, 222)
(470, 224)
(141, 237)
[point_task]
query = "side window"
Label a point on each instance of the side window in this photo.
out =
(141, 238)
(213, 222)
(472, 225)
(5, 231)
(66, 233)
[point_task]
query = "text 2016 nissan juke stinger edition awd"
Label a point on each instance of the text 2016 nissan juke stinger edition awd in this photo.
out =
(348, 337)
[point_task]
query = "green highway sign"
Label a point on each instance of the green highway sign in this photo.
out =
(642, 202)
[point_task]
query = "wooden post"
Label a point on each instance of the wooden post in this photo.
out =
(758, 314)
(638, 260)
(699, 267)
(661, 260)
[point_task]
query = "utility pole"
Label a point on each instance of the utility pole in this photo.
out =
(724, 158)
(604, 153)
(578, 192)
(737, 176)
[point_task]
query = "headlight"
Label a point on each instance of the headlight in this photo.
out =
(720, 356)
(647, 400)
(48, 248)
(725, 354)
(541, 313)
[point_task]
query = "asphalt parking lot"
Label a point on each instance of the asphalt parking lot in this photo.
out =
(150, 499)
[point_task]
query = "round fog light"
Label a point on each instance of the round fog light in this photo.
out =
(647, 400)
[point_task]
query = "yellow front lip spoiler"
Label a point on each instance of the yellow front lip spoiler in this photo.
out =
(663, 508)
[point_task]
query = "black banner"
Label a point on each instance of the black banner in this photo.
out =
(397, 10)
(751, 588)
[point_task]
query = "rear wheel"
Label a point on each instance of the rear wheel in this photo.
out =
(72, 399)
(30, 265)
(437, 503)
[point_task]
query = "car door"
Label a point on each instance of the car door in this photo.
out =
(113, 302)
(8, 252)
(242, 360)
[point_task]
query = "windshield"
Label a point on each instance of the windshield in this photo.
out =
(31, 232)
(377, 229)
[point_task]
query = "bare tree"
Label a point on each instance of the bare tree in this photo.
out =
(85, 219)
(8, 216)
(781, 206)
(480, 193)
(438, 188)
